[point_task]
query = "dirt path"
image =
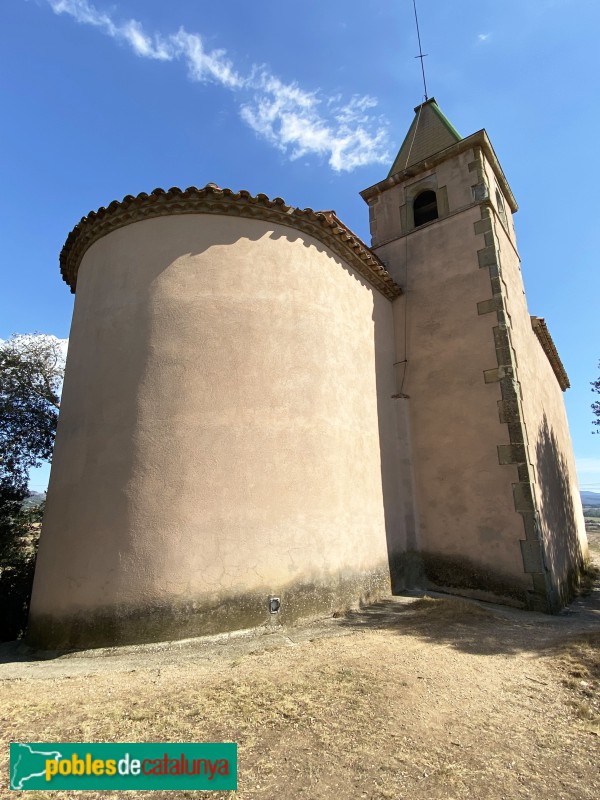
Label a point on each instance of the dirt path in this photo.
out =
(413, 698)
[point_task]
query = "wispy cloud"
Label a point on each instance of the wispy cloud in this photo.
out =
(293, 120)
(483, 37)
(130, 31)
(346, 132)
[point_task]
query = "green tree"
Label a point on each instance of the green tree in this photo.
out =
(19, 535)
(31, 372)
(596, 404)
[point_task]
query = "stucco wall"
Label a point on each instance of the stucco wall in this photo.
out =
(498, 506)
(554, 477)
(228, 385)
(469, 531)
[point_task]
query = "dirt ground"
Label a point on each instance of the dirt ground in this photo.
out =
(416, 698)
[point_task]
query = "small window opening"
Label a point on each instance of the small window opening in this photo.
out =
(425, 208)
(500, 206)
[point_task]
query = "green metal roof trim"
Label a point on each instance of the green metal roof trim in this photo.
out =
(444, 119)
(478, 139)
(434, 133)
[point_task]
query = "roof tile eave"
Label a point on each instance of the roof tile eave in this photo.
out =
(324, 226)
(545, 339)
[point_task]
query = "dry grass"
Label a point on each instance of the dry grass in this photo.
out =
(588, 580)
(578, 662)
(593, 534)
(412, 710)
(453, 609)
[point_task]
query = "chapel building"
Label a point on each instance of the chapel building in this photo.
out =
(265, 420)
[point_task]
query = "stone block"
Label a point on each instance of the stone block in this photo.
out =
(487, 306)
(487, 256)
(530, 524)
(504, 356)
(480, 191)
(483, 225)
(505, 454)
(508, 411)
(511, 453)
(491, 375)
(522, 496)
(496, 284)
(515, 430)
(533, 559)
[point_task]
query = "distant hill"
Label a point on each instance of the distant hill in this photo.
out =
(34, 499)
(587, 499)
(590, 498)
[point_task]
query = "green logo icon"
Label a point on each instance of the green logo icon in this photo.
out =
(72, 766)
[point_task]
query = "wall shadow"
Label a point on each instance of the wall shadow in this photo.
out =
(17, 652)
(559, 513)
(470, 627)
(253, 229)
(405, 562)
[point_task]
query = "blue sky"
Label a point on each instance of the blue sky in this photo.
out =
(308, 102)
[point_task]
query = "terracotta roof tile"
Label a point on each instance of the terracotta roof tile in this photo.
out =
(323, 225)
(543, 334)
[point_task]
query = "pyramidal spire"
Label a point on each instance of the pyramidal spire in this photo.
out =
(429, 133)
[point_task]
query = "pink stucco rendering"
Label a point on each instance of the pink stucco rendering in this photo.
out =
(265, 420)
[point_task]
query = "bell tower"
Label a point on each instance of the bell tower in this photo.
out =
(498, 508)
